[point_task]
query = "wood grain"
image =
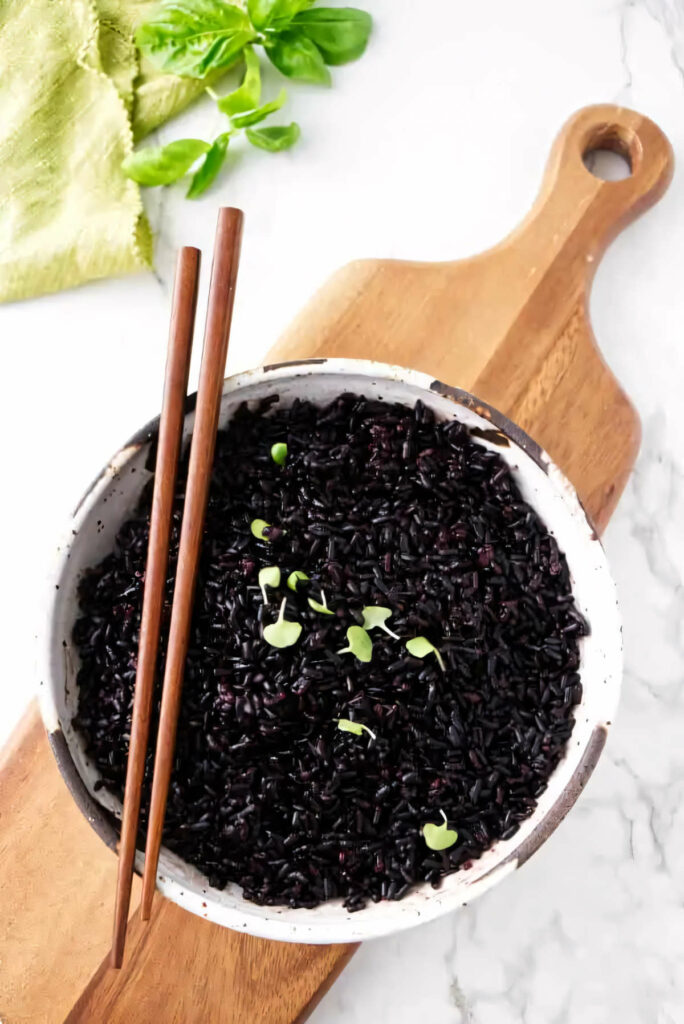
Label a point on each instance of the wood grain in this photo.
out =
(224, 273)
(510, 325)
(56, 885)
(228, 978)
(183, 308)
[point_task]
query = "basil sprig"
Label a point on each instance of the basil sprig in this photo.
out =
(202, 38)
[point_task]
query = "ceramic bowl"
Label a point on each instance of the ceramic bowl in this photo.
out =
(113, 497)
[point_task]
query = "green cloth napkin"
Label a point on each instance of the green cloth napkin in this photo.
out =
(73, 96)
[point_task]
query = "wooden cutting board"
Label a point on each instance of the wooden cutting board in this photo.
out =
(511, 326)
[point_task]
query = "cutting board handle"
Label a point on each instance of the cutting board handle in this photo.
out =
(511, 324)
(577, 213)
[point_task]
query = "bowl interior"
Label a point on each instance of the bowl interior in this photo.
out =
(113, 497)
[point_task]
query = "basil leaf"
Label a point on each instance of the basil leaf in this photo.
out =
(275, 138)
(210, 166)
(267, 12)
(340, 33)
(297, 57)
(247, 96)
(160, 165)
(194, 37)
(254, 116)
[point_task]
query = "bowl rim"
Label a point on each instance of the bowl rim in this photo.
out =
(275, 922)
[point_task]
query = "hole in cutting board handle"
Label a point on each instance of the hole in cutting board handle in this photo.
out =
(607, 165)
(611, 153)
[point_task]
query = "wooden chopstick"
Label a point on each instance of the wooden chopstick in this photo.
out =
(169, 442)
(170, 434)
(216, 334)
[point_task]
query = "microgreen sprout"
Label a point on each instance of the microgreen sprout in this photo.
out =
(296, 577)
(420, 647)
(257, 526)
(375, 618)
(279, 453)
(320, 606)
(282, 633)
(358, 643)
(269, 577)
(439, 837)
(346, 725)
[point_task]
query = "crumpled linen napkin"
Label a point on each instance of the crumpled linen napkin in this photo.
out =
(74, 94)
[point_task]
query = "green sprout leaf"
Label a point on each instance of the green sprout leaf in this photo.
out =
(359, 644)
(271, 12)
(257, 526)
(247, 96)
(297, 57)
(439, 837)
(282, 633)
(340, 33)
(295, 577)
(161, 165)
(255, 116)
(375, 618)
(346, 725)
(195, 37)
(210, 166)
(318, 607)
(420, 647)
(279, 453)
(269, 577)
(274, 138)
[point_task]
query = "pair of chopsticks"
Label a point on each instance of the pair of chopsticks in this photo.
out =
(214, 353)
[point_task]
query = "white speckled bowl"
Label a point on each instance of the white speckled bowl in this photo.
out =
(113, 496)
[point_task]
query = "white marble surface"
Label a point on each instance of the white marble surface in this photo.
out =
(432, 147)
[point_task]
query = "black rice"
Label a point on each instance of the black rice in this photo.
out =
(379, 505)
